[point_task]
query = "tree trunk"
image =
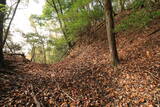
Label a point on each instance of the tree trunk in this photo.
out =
(110, 32)
(1, 57)
(121, 3)
(44, 54)
(2, 15)
(33, 53)
(63, 30)
(8, 28)
(53, 4)
(43, 46)
(101, 4)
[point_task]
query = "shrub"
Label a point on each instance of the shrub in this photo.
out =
(137, 20)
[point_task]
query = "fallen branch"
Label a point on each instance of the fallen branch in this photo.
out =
(153, 76)
(16, 54)
(157, 30)
(38, 104)
(62, 90)
(68, 95)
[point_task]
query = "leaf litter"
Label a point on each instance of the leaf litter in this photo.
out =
(86, 78)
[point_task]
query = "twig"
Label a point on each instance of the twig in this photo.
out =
(34, 97)
(157, 30)
(153, 76)
(68, 95)
(53, 79)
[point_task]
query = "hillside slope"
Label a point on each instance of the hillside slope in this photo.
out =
(86, 77)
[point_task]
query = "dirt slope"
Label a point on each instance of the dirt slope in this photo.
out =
(86, 77)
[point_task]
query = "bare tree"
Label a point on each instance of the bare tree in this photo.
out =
(110, 32)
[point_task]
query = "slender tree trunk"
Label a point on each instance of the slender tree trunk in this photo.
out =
(110, 32)
(53, 4)
(1, 57)
(2, 15)
(33, 53)
(64, 30)
(101, 4)
(121, 3)
(43, 47)
(8, 28)
(44, 54)
(11, 50)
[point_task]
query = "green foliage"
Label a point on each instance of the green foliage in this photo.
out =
(80, 4)
(31, 38)
(69, 18)
(136, 20)
(79, 21)
(80, 15)
(75, 15)
(60, 48)
(97, 13)
(55, 48)
(47, 11)
(3, 8)
(138, 3)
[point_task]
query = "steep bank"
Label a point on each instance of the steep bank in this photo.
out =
(86, 77)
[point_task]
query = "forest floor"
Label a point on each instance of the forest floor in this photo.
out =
(86, 78)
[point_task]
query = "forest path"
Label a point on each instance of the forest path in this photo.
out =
(20, 82)
(86, 78)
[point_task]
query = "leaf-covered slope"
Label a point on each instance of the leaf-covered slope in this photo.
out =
(86, 78)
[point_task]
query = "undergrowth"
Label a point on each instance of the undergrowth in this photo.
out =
(137, 20)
